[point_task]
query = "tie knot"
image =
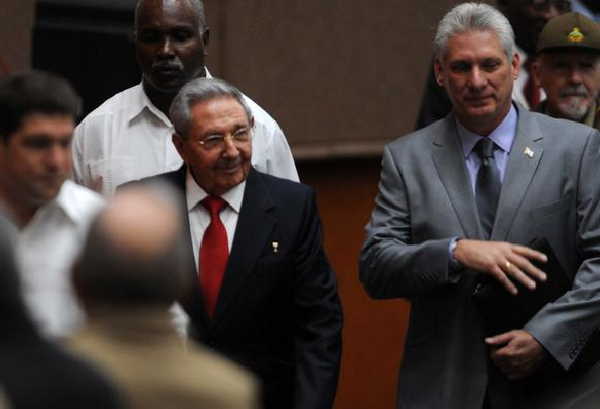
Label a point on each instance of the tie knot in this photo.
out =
(214, 204)
(485, 148)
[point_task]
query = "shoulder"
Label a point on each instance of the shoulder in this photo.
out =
(562, 132)
(282, 189)
(121, 102)
(79, 202)
(421, 141)
(261, 117)
(175, 178)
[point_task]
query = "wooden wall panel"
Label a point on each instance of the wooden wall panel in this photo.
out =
(16, 22)
(373, 330)
(342, 77)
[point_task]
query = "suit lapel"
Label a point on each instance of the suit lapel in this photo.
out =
(448, 158)
(194, 301)
(254, 226)
(523, 161)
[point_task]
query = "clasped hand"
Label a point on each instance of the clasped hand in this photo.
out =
(516, 353)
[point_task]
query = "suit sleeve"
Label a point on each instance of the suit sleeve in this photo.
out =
(390, 264)
(564, 326)
(318, 318)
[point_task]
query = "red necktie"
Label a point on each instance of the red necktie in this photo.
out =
(213, 253)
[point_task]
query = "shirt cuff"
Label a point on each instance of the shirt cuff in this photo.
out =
(454, 266)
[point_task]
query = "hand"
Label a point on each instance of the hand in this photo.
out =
(96, 184)
(502, 260)
(516, 353)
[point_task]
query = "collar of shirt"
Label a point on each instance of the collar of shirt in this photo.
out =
(67, 202)
(143, 104)
(502, 136)
(195, 194)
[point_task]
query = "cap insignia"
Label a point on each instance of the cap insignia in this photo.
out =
(576, 36)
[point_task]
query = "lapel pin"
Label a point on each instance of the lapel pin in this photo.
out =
(275, 245)
(528, 152)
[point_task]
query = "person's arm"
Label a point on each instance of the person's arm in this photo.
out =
(390, 266)
(564, 326)
(318, 318)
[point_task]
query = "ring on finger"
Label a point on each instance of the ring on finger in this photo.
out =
(507, 265)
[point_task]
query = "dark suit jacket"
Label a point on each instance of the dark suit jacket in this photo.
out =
(278, 312)
(550, 190)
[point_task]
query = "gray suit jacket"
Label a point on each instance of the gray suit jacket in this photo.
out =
(425, 199)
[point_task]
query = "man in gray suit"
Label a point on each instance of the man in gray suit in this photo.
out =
(458, 204)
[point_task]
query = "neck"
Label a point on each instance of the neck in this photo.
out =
(483, 126)
(22, 214)
(161, 100)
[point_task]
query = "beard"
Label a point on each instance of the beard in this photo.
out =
(575, 102)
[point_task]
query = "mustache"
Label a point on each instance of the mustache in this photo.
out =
(169, 65)
(574, 91)
(224, 163)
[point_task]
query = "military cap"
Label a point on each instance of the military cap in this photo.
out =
(570, 30)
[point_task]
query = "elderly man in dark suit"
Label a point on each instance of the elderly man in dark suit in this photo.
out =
(265, 295)
(459, 204)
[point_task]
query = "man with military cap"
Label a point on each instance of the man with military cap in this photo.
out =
(568, 68)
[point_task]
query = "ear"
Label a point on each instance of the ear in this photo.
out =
(206, 39)
(178, 142)
(516, 65)
(438, 72)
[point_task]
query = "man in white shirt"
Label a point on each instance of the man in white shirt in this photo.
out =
(129, 136)
(51, 212)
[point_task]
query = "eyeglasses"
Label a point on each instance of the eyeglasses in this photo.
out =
(562, 6)
(216, 141)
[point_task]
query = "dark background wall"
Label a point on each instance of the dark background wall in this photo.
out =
(341, 77)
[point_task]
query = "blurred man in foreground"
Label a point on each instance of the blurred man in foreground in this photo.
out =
(38, 112)
(129, 274)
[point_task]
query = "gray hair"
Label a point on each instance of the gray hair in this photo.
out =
(473, 17)
(197, 6)
(200, 90)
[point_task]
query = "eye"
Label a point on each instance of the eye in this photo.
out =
(242, 134)
(149, 36)
(212, 141)
(37, 143)
(560, 65)
(460, 66)
(490, 65)
(182, 35)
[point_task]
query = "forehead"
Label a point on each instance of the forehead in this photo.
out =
(474, 45)
(47, 125)
(571, 55)
(166, 13)
(216, 114)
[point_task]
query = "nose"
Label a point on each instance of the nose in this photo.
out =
(57, 158)
(575, 76)
(230, 150)
(166, 48)
(477, 79)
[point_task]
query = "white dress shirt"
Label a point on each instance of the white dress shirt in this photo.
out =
(199, 217)
(46, 249)
(127, 138)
